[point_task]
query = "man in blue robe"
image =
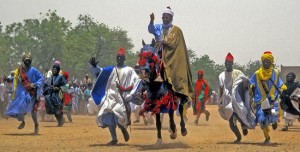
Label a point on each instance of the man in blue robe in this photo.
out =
(27, 83)
(266, 85)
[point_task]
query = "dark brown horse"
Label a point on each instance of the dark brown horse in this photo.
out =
(160, 98)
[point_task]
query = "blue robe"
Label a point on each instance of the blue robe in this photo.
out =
(54, 101)
(265, 118)
(157, 30)
(23, 102)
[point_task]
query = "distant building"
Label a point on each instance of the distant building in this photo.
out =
(286, 69)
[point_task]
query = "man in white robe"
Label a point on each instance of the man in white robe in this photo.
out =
(226, 96)
(113, 91)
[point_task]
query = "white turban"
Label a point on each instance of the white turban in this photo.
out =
(168, 11)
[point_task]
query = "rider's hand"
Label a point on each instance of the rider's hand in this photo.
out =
(152, 17)
(93, 62)
(32, 85)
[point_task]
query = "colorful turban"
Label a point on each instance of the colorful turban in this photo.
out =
(168, 10)
(267, 55)
(26, 56)
(229, 57)
(57, 62)
(121, 52)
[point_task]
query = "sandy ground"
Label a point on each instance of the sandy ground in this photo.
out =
(84, 135)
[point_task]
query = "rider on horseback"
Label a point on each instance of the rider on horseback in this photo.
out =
(172, 48)
(174, 71)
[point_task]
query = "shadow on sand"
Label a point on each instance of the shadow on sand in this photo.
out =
(253, 143)
(291, 130)
(163, 146)
(22, 134)
(148, 128)
(177, 145)
(54, 126)
(100, 145)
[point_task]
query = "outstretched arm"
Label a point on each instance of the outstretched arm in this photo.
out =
(95, 70)
(151, 27)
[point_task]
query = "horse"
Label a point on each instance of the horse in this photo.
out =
(159, 97)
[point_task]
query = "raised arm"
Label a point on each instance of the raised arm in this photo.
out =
(95, 69)
(151, 27)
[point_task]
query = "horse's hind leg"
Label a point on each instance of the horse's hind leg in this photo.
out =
(158, 128)
(172, 125)
(182, 124)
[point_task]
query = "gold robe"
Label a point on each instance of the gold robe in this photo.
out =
(176, 62)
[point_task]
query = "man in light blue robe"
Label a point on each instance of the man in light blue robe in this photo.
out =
(26, 93)
(113, 91)
(266, 85)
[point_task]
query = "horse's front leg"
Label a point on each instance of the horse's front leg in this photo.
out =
(158, 128)
(173, 130)
(182, 124)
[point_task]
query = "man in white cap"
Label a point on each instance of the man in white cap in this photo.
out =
(172, 49)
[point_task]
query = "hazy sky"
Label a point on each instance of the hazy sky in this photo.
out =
(246, 28)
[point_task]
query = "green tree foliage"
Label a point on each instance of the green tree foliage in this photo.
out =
(89, 38)
(4, 49)
(210, 68)
(52, 37)
(43, 38)
(251, 67)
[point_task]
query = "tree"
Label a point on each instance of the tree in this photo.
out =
(90, 38)
(251, 67)
(4, 51)
(43, 38)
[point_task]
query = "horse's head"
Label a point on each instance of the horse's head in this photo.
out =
(148, 63)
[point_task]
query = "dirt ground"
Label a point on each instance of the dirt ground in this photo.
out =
(84, 135)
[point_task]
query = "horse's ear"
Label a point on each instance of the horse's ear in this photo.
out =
(153, 43)
(143, 42)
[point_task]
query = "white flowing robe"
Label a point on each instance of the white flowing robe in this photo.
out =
(106, 93)
(226, 80)
(295, 105)
(242, 109)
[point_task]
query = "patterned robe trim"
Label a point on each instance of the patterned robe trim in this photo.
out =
(16, 74)
(261, 89)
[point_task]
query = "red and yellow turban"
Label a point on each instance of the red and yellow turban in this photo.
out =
(267, 55)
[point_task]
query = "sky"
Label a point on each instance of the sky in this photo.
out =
(246, 28)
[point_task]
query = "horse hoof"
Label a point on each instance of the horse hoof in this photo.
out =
(159, 141)
(184, 132)
(173, 135)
